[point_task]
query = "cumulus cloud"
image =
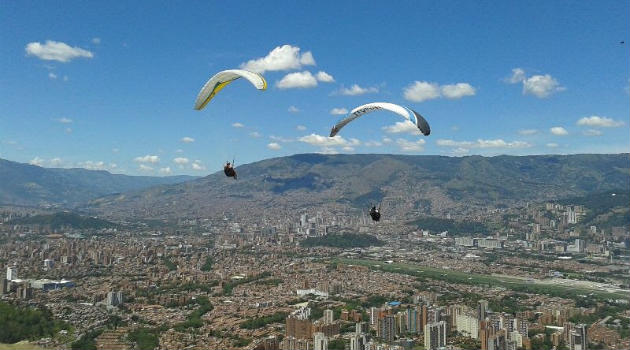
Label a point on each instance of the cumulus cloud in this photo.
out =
(56, 162)
(528, 132)
(196, 165)
(324, 141)
(458, 90)
(52, 75)
(402, 127)
(238, 125)
(37, 161)
(68, 130)
(460, 151)
(64, 120)
(559, 131)
(293, 109)
(297, 80)
(166, 170)
(387, 140)
(592, 132)
(255, 134)
(94, 165)
(147, 159)
(552, 145)
(541, 86)
(420, 91)
(355, 90)
(338, 111)
(143, 167)
(280, 139)
(283, 57)
(96, 41)
(300, 128)
(274, 146)
(481, 143)
(56, 51)
(601, 122)
(518, 75)
(187, 139)
(324, 77)
(411, 146)
(181, 160)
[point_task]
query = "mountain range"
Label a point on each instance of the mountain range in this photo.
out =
(406, 186)
(30, 185)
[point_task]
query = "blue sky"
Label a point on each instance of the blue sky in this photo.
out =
(111, 85)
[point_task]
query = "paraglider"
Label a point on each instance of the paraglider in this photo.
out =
(408, 114)
(229, 171)
(375, 213)
(221, 79)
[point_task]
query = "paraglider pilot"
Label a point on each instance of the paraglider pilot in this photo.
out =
(375, 213)
(229, 171)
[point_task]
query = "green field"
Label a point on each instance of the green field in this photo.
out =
(516, 284)
(23, 345)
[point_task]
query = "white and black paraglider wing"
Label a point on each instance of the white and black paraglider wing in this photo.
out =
(223, 78)
(406, 113)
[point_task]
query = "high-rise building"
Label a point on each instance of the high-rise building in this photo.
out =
(577, 338)
(413, 320)
(468, 324)
(328, 316)
(298, 325)
(358, 342)
(48, 264)
(320, 341)
(114, 298)
(482, 309)
(435, 335)
(387, 328)
(12, 273)
(4, 287)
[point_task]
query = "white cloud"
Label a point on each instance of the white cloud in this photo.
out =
(196, 165)
(458, 90)
(328, 150)
(96, 41)
(280, 138)
(460, 151)
(145, 167)
(411, 146)
(283, 57)
(179, 150)
(297, 80)
(541, 86)
(348, 148)
(115, 150)
(187, 139)
(373, 144)
(402, 127)
(293, 109)
(559, 131)
(37, 161)
(300, 128)
(64, 120)
(324, 77)
(255, 134)
(338, 111)
(518, 75)
(56, 162)
(95, 165)
(65, 78)
(238, 125)
(181, 160)
(166, 170)
(355, 90)
(552, 145)
(387, 140)
(528, 132)
(147, 159)
(56, 51)
(419, 91)
(68, 130)
(481, 143)
(274, 146)
(601, 122)
(52, 75)
(592, 132)
(324, 141)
